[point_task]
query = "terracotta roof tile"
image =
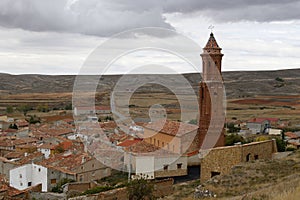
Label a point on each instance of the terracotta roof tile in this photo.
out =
(291, 135)
(128, 143)
(173, 128)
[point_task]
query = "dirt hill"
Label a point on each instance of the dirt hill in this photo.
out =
(238, 84)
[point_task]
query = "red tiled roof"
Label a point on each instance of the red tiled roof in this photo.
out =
(291, 135)
(14, 154)
(66, 145)
(22, 124)
(173, 128)
(47, 146)
(108, 125)
(11, 130)
(7, 142)
(30, 157)
(128, 143)
(65, 162)
(143, 147)
(68, 120)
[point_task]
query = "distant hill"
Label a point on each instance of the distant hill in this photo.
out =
(239, 84)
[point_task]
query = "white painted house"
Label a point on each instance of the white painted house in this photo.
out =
(28, 175)
(89, 110)
(157, 166)
(273, 131)
(46, 149)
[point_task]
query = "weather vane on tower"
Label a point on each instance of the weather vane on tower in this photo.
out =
(211, 27)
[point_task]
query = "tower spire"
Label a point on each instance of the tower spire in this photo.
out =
(212, 42)
(211, 93)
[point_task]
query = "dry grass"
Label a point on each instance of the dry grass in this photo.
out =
(289, 195)
(262, 180)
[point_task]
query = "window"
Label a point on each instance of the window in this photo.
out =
(248, 157)
(93, 165)
(29, 184)
(215, 174)
(53, 181)
(80, 178)
(256, 157)
(20, 175)
(179, 165)
(166, 167)
(21, 184)
(158, 143)
(39, 169)
(150, 140)
(163, 144)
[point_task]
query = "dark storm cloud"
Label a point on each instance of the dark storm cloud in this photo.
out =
(103, 18)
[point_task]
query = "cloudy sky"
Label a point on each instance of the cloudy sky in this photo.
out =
(57, 36)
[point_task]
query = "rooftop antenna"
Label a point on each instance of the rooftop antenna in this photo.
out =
(211, 27)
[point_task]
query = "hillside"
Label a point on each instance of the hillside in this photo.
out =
(238, 84)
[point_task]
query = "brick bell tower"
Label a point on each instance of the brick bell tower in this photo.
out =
(211, 97)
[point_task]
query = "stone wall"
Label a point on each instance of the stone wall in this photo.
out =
(220, 160)
(161, 188)
(80, 187)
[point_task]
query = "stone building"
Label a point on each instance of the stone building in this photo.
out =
(171, 136)
(220, 160)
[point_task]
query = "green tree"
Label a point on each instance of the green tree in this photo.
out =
(58, 188)
(43, 108)
(34, 119)
(279, 79)
(232, 129)
(24, 109)
(140, 189)
(68, 106)
(59, 149)
(9, 109)
(193, 121)
(13, 126)
(233, 138)
(281, 145)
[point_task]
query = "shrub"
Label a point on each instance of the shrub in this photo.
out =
(279, 79)
(281, 145)
(233, 138)
(290, 149)
(232, 129)
(140, 189)
(58, 188)
(98, 189)
(13, 126)
(193, 121)
(9, 109)
(68, 107)
(34, 119)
